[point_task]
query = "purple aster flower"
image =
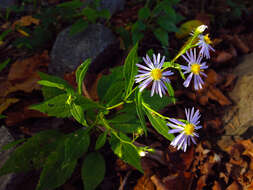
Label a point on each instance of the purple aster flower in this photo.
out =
(153, 72)
(204, 45)
(195, 67)
(186, 130)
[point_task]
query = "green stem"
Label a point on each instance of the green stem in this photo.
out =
(153, 111)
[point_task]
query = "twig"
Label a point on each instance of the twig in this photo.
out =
(124, 180)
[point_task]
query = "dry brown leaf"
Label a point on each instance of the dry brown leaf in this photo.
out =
(188, 158)
(216, 186)
(16, 117)
(230, 78)
(240, 44)
(144, 183)
(203, 100)
(234, 186)
(25, 21)
(23, 69)
(201, 182)
(212, 77)
(215, 94)
(158, 183)
(223, 57)
(225, 177)
(5, 103)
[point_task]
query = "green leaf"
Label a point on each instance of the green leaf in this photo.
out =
(159, 125)
(126, 151)
(56, 106)
(101, 140)
(86, 103)
(78, 113)
(130, 69)
(138, 101)
(144, 13)
(74, 4)
(114, 93)
(2, 116)
(156, 102)
(50, 92)
(79, 26)
(137, 36)
(61, 163)
(12, 144)
(93, 170)
(107, 84)
(76, 144)
(4, 34)
(55, 172)
(80, 74)
(131, 156)
(162, 36)
(53, 81)
(167, 25)
(32, 153)
(90, 14)
(125, 35)
(104, 14)
(4, 64)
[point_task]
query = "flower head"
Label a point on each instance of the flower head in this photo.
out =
(186, 130)
(195, 67)
(204, 45)
(153, 72)
(201, 28)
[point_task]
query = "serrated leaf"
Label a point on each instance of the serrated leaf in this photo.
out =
(144, 13)
(104, 14)
(156, 102)
(113, 94)
(159, 125)
(50, 92)
(76, 144)
(162, 36)
(93, 170)
(32, 153)
(138, 101)
(107, 84)
(101, 140)
(80, 74)
(56, 106)
(79, 26)
(55, 172)
(130, 69)
(78, 113)
(86, 103)
(61, 163)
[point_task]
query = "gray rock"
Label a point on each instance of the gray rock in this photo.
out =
(112, 5)
(4, 4)
(70, 51)
(238, 120)
(5, 138)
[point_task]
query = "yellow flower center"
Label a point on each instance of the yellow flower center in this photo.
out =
(189, 129)
(195, 68)
(156, 74)
(207, 39)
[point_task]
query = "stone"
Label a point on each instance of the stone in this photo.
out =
(5, 138)
(238, 119)
(112, 5)
(69, 52)
(4, 4)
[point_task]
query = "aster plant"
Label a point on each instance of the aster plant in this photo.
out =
(129, 92)
(153, 73)
(195, 68)
(186, 130)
